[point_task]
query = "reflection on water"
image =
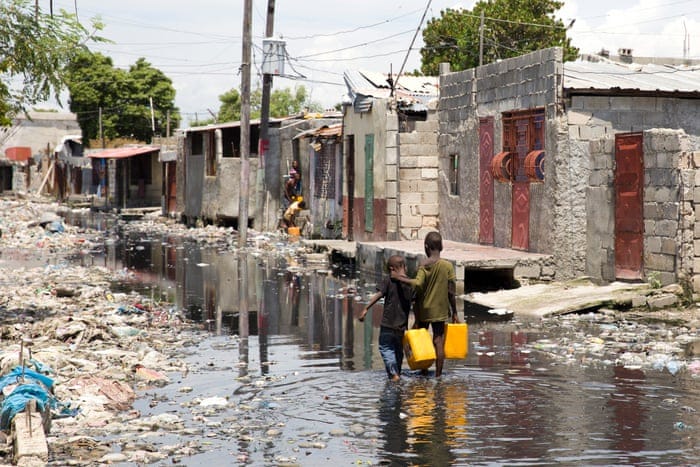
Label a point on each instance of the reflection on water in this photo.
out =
(503, 404)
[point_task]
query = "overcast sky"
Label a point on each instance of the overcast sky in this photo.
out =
(198, 43)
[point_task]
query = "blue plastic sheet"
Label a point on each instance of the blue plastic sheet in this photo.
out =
(17, 402)
(32, 386)
(14, 376)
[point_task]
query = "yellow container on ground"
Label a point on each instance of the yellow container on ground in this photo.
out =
(294, 231)
(418, 349)
(456, 340)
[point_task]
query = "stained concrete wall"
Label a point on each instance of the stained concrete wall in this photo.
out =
(42, 131)
(572, 212)
(531, 81)
(414, 197)
(382, 122)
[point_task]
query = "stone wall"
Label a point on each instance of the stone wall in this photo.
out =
(416, 191)
(663, 192)
(557, 213)
(670, 202)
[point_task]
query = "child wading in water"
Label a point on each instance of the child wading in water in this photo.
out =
(435, 284)
(397, 305)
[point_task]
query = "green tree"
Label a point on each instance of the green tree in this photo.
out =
(94, 83)
(511, 28)
(148, 103)
(230, 110)
(34, 47)
(283, 102)
(123, 97)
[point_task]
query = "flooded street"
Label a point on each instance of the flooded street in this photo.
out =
(297, 380)
(192, 372)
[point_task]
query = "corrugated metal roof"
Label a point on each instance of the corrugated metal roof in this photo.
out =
(365, 85)
(123, 153)
(236, 124)
(631, 77)
(326, 131)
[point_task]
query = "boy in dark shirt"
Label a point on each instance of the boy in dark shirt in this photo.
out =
(397, 305)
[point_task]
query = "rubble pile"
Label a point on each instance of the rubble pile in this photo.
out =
(663, 341)
(99, 347)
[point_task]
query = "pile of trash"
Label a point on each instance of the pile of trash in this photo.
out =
(611, 337)
(89, 349)
(32, 226)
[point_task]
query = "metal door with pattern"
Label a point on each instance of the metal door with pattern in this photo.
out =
(629, 214)
(485, 181)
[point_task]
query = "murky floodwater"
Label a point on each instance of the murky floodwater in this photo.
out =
(306, 384)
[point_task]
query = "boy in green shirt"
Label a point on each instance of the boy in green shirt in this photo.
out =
(435, 283)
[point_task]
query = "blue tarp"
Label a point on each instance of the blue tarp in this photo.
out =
(32, 386)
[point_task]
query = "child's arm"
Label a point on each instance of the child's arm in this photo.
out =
(451, 292)
(402, 277)
(416, 283)
(375, 298)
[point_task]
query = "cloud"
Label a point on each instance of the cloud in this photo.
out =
(198, 44)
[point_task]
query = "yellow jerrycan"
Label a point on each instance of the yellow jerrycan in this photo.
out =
(456, 340)
(418, 349)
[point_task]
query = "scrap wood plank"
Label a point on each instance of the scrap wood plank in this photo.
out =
(540, 300)
(29, 437)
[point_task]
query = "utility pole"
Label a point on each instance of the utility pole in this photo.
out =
(153, 117)
(481, 40)
(245, 125)
(271, 171)
(102, 131)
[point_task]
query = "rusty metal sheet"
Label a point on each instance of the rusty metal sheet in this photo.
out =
(629, 215)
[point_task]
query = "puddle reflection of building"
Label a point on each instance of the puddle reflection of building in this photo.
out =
(490, 341)
(437, 422)
(628, 413)
(243, 323)
(393, 425)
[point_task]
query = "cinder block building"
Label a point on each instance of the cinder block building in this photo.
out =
(593, 163)
(390, 156)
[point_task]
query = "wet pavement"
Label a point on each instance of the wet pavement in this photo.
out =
(285, 374)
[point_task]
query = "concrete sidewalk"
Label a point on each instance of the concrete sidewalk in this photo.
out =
(474, 261)
(556, 298)
(372, 256)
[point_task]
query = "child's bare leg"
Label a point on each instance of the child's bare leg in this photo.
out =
(439, 343)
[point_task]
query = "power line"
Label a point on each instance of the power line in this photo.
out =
(364, 44)
(350, 59)
(359, 28)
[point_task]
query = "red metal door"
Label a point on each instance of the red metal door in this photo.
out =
(171, 175)
(520, 205)
(485, 181)
(349, 211)
(629, 217)
(520, 238)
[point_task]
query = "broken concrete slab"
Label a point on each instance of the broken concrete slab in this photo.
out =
(541, 300)
(29, 438)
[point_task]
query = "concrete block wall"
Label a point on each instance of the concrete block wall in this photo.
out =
(417, 184)
(671, 196)
(595, 117)
(689, 248)
(392, 180)
(458, 125)
(522, 83)
(663, 201)
(600, 211)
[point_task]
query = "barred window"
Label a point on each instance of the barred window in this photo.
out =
(325, 171)
(453, 172)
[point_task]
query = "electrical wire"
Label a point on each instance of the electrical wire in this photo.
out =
(364, 44)
(359, 28)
